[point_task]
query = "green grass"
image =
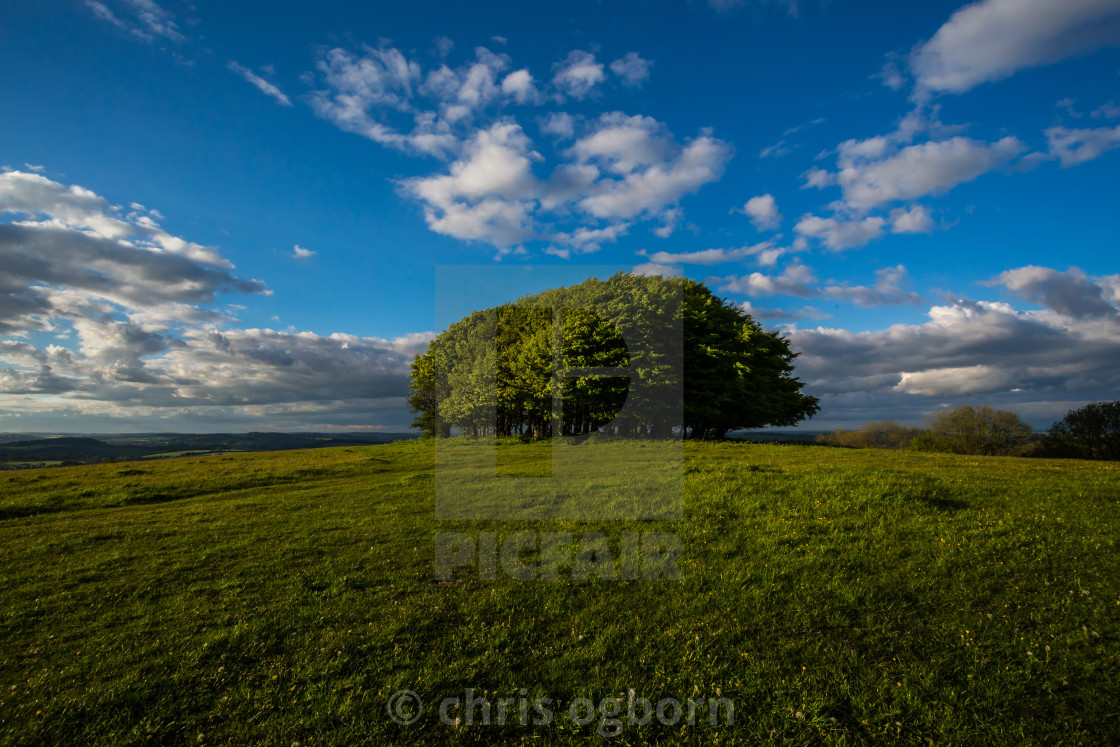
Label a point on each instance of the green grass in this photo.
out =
(835, 596)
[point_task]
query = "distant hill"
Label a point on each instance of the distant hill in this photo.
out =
(20, 451)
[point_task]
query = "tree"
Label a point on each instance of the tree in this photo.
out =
(499, 371)
(982, 430)
(1090, 432)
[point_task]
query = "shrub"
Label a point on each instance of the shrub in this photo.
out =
(884, 434)
(981, 430)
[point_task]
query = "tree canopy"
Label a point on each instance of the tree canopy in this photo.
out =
(1089, 432)
(697, 365)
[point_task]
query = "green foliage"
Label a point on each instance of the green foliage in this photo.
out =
(884, 434)
(496, 367)
(982, 430)
(272, 598)
(1090, 432)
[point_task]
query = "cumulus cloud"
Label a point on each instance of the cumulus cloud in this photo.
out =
(1071, 293)
(606, 172)
(262, 85)
(298, 252)
(69, 253)
(520, 87)
(632, 69)
(763, 212)
(488, 193)
(578, 74)
(645, 185)
(993, 39)
(794, 280)
(911, 220)
(559, 124)
(622, 169)
(870, 175)
(148, 340)
(838, 233)
(1038, 362)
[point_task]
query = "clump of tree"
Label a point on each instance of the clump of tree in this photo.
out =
(883, 434)
(1089, 432)
(501, 371)
(979, 430)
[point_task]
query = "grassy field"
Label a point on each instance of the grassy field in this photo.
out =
(834, 596)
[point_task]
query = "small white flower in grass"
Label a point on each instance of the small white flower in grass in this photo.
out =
(800, 715)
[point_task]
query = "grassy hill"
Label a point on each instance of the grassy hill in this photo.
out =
(835, 596)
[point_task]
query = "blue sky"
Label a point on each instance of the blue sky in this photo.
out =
(921, 195)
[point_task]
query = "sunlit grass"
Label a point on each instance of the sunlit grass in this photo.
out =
(836, 596)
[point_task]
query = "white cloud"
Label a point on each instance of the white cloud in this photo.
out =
(838, 234)
(298, 252)
(1067, 105)
(363, 90)
(519, 85)
(617, 168)
(261, 84)
(622, 143)
(799, 280)
(444, 45)
(559, 124)
(487, 194)
(624, 168)
(652, 269)
(632, 69)
(892, 76)
(649, 189)
(993, 39)
(1107, 111)
(870, 175)
(888, 290)
(795, 280)
(766, 253)
(578, 75)
(763, 212)
(911, 220)
(1074, 147)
